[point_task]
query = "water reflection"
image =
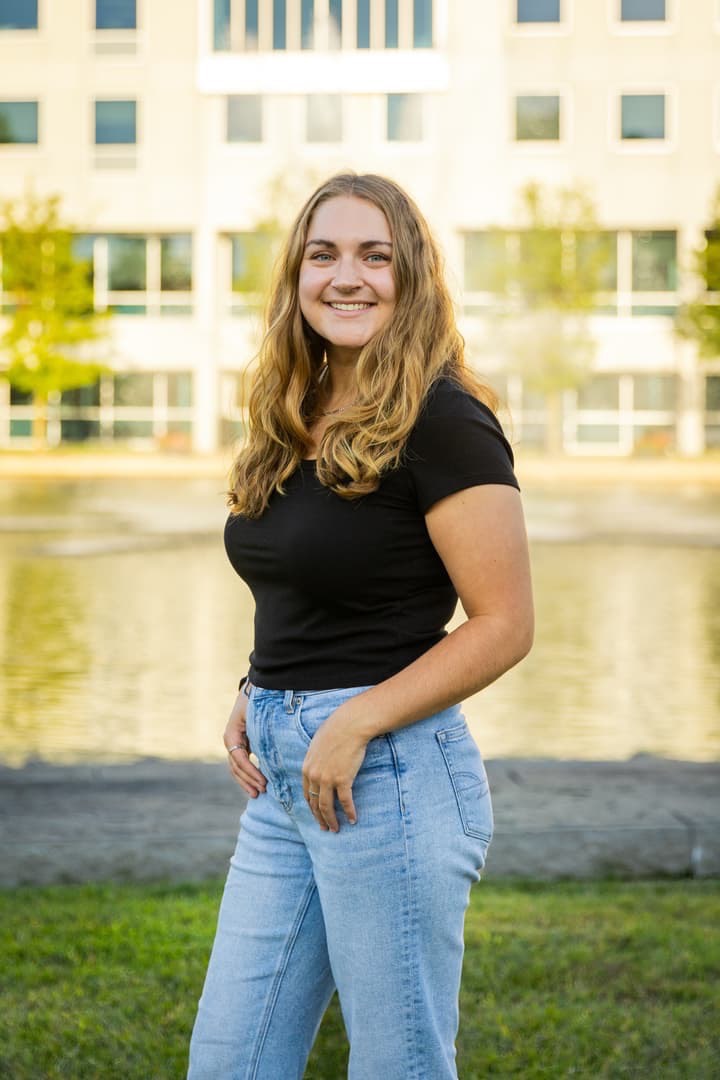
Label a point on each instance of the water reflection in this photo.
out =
(124, 628)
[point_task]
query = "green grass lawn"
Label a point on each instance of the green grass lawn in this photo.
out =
(604, 979)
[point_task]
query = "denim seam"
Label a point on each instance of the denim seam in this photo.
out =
(285, 959)
(412, 929)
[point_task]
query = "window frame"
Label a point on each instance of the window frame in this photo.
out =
(617, 144)
(27, 29)
(641, 27)
(15, 147)
(554, 92)
(563, 28)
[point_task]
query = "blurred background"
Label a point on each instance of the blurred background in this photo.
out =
(567, 155)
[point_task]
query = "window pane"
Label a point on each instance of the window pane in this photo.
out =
(391, 24)
(221, 25)
(244, 118)
(404, 117)
(176, 262)
(251, 24)
(654, 392)
(485, 261)
(279, 24)
(251, 262)
(115, 123)
(537, 118)
(19, 122)
(324, 118)
(529, 11)
(307, 21)
(180, 389)
(81, 395)
(126, 263)
(643, 116)
(115, 15)
(335, 30)
(641, 10)
(712, 393)
(596, 255)
(130, 429)
(18, 15)
(76, 430)
(134, 388)
(422, 24)
(654, 261)
(82, 247)
(363, 24)
(600, 392)
(711, 260)
(598, 433)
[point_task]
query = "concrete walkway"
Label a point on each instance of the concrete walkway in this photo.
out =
(158, 820)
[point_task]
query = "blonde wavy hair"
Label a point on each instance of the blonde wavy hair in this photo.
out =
(395, 370)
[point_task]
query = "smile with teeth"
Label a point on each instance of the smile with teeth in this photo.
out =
(339, 306)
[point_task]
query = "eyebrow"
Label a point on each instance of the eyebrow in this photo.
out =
(363, 246)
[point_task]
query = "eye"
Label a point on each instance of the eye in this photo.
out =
(320, 255)
(379, 255)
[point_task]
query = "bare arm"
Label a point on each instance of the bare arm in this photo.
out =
(479, 534)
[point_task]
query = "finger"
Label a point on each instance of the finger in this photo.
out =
(326, 805)
(242, 755)
(312, 801)
(346, 801)
(245, 771)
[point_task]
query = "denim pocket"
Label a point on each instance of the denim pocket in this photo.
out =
(469, 780)
(312, 709)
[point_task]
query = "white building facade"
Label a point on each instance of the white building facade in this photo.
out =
(175, 131)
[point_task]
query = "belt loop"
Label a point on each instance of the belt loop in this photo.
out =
(289, 701)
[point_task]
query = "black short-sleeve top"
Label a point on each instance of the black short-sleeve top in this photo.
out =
(349, 592)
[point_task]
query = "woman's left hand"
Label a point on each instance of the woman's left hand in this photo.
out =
(331, 764)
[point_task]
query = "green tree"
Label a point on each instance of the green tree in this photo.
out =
(546, 276)
(699, 320)
(48, 293)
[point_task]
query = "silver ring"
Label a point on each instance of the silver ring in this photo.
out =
(313, 793)
(237, 746)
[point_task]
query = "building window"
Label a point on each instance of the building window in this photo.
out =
(335, 27)
(115, 15)
(655, 392)
(654, 261)
(115, 123)
(252, 255)
(486, 261)
(19, 122)
(244, 118)
(324, 118)
(422, 24)
(127, 263)
(643, 116)
(18, 15)
(221, 25)
(642, 10)
(599, 392)
(392, 25)
(596, 253)
(176, 263)
(252, 25)
(279, 24)
(307, 24)
(363, 24)
(404, 117)
(537, 118)
(538, 11)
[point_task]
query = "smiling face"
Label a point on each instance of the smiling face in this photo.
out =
(346, 286)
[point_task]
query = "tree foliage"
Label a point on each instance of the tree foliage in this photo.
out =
(699, 320)
(48, 296)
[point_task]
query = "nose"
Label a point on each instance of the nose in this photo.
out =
(346, 273)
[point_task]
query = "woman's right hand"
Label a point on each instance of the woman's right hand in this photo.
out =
(243, 771)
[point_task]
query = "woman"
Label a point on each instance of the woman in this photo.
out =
(376, 487)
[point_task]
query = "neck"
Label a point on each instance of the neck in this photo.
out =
(339, 381)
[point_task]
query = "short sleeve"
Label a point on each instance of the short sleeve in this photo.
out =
(456, 443)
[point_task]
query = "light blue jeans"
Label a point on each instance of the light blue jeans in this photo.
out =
(376, 909)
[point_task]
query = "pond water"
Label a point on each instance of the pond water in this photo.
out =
(124, 628)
